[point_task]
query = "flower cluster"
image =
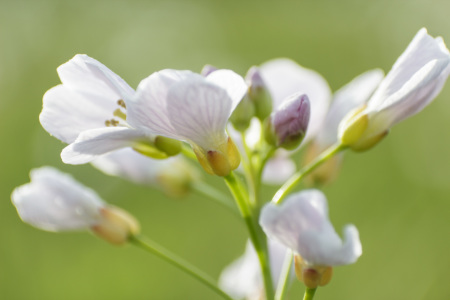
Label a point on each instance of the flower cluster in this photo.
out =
(221, 122)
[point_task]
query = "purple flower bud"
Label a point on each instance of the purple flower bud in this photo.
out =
(258, 93)
(290, 121)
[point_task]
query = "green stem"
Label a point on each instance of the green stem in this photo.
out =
(284, 276)
(309, 294)
(178, 262)
(254, 230)
(212, 193)
(297, 177)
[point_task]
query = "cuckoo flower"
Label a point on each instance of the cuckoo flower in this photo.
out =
(88, 111)
(54, 201)
(301, 223)
(173, 175)
(414, 81)
(189, 107)
(242, 279)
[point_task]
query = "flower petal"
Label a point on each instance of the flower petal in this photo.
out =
(284, 77)
(92, 143)
(301, 223)
(279, 168)
(86, 99)
(91, 78)
(231, 82)
(54, 201)
(148, 109)
(422, 51)
(199, 112)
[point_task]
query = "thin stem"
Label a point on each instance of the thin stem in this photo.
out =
(297, 177)
(254, 230)
(212, 193)
(309, 294)
(178, 262)
(284, 276)
(186, 150)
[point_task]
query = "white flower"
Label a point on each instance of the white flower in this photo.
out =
(88, 111)
(301, 223)
(54, 201)
(189, 107)
(173, 175)
(414, 81)
(243, 278)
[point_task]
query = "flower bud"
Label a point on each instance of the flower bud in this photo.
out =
(219, 162)
(258, 93)
(162, 147)
(287, 126)
(243, 114)
(115, 225)
(312, 276)
(176, 180)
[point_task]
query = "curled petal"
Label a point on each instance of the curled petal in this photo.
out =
(301, 223)
(95, 142)
(232, 83)
(54, 201)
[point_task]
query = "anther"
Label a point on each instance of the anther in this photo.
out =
(121, 103)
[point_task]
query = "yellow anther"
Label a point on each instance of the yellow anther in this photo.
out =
(118, 113)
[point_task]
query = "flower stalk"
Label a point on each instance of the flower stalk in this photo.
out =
(178, 262)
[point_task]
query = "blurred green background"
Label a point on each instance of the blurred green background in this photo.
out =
(396, 194)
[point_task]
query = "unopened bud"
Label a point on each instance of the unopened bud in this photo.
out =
(221, 161)
(116, 225)
(162, 147)
(243, 114)
(312, 276)
(167, 145)
(258, 93)
(287, 126)
(207, 69)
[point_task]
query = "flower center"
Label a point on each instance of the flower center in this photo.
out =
(120, 114)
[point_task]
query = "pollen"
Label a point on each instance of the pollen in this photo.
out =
(111, 122)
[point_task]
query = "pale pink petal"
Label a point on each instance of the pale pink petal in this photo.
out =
(231, 82)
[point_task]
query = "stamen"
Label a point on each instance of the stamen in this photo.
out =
(111, 122)
(121, 103)
(118, 113)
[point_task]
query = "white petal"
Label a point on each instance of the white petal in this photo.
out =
(284, 77)
(233, 83)
(422, 50)
(148, 110)
(242, 279)
(301, 223)
(93, 143)
(66, 113)
(415, 94)
(199, 112)
(54, 201)
(86, 99)
(350, 96)
(91, 78)
(130, 165)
